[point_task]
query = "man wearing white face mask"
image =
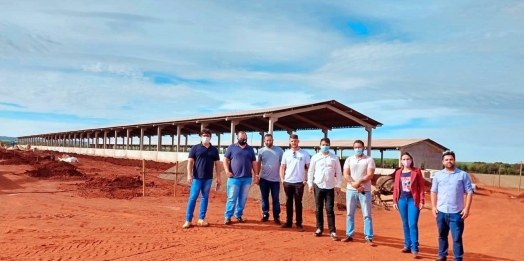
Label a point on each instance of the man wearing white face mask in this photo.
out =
(200, 163)
(325, 179)
(358, 172)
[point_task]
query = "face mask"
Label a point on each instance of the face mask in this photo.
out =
(242, 141)
(406, 163)
(358, 151)
(324, 148)
(205, 139)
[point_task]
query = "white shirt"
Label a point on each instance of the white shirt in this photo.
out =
(325, 171)
(295, 162)
(358, 170)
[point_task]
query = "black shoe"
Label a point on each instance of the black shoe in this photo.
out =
(277, 222)
(347, 239)
(240, 220)
(318, 232)
(405, 250)
(300, 228)
(441, 258)
(287, 225)
(227, 221)
(334, 236)
(265, 218)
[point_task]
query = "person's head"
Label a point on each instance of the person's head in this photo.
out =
(407, 160)
(358, 146)
(324, 145)
(205, 136)
(448, 159)
(242, 138)
(268, 140)
(293, 141)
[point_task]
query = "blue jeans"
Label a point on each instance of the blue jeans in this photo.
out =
(352, 196)
(409, 214)
(266, 187)
(237, 191)
(198, 186)
(455, 223)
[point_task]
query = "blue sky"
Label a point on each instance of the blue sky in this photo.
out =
(451, 71)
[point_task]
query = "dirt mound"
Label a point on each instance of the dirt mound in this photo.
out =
(55, 169)
(120, 187)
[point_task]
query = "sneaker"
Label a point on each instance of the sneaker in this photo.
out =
(415, 255)
(369, 242)
(187, 224)
(300, 228)
(265, 218)
(240, 220)
(347, 239)
(277, 222)
(318, 232)
(287, 225)
(334, 236)
(405, 250)
(202, 223)
(227, 221)
(441, 258)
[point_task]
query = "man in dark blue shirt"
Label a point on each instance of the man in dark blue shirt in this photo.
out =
(239, 161)
(202, 158)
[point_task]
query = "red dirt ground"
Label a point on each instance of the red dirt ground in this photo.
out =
(68, 218)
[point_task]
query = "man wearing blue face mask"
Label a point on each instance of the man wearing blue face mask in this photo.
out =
(358, 172)
(325, 179)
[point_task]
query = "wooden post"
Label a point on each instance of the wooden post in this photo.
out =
(499, 177)
(176, 179)
(520, 175)
(143, 177)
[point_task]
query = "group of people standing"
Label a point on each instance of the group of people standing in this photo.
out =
(322, 173)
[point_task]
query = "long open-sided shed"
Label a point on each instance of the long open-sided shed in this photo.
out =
(324, 116)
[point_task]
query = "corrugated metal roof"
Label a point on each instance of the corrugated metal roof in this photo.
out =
(323, 115)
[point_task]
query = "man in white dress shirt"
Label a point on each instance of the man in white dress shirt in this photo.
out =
(325, 179)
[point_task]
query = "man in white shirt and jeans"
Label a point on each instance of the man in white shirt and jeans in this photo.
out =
(358, 172)
(325, 178)
(293, 176)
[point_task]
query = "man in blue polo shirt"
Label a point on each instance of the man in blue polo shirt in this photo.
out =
(239, 162)
(200, 163)
(448, 205)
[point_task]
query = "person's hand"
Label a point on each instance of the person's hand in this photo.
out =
(189, 179)
(464, 213)
(219, 181)
(395, 206)
(337, 191)
(256, 180)
(421, 206)
(360, 189)
(230, 174)
(355, 184)
(434, 211)
(310, 189)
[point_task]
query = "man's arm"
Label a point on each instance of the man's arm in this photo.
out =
(338, 174)
(434, 203)
(468, 187)
(218, 170)
(190, 164)
(227, 170)
(282, 172)
(256, 168)
(311, 173)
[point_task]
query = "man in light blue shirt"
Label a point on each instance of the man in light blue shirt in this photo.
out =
(447, 198)
(269, 159)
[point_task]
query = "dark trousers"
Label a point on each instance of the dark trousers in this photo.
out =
(294, 192)
(455, 223)
(325, 197)
(272, 187)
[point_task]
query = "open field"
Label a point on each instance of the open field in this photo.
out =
(100, 215)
